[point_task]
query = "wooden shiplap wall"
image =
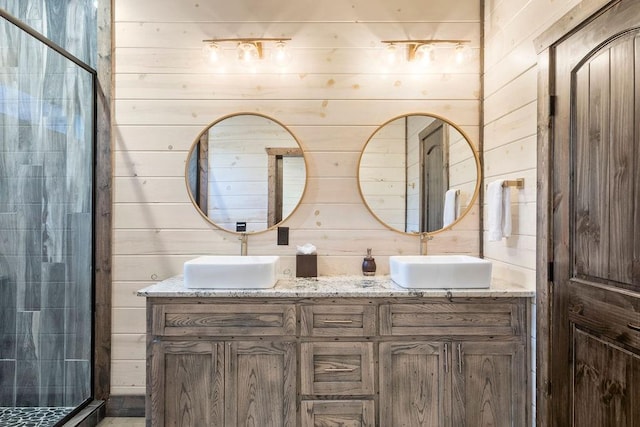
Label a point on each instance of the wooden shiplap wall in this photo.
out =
(510, 128)
(510, 120)
(333, 96)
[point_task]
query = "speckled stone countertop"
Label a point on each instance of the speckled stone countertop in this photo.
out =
(332, 286)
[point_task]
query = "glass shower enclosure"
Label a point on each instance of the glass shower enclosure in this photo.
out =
(47, 137)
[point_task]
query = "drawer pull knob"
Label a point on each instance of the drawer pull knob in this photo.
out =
(340, 369)
(634, 327)
(339, 321)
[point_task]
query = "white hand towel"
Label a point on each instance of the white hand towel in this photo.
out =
(450, 213)
(506, 211)
(498, 211)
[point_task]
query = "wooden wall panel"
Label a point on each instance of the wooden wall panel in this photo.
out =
(301, 86)
(510, 131)
(333, 96)
(343, 112)
(284, 10)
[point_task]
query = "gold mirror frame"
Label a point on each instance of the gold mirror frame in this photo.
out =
(472, 199)
(276, 151)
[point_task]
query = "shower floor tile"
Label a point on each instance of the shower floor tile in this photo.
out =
(32, 417)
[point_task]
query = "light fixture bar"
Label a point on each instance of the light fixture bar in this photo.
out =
(248, 40)
(249, 48)
(429, 41)
(422, 49)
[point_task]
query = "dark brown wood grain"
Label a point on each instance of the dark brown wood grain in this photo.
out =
(589, 209)
(103, 207)
(606, 383)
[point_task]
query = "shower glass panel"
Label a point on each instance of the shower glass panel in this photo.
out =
(46, 231)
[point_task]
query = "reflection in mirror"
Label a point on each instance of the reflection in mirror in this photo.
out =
(246, 169)
(418, 174)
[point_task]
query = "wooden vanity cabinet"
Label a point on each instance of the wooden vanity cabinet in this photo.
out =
(221, 365)
(467, 367)
(348, 361)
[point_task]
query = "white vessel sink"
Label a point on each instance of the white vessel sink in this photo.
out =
(440, 271)
(231, 272)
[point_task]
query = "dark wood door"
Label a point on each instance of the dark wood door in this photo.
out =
(595, 334)
(434, 152)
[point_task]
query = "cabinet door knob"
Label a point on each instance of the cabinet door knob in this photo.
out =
(459, 358)
(634, 327)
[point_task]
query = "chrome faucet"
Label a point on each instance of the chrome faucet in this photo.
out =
(424, 238)
(244, 243)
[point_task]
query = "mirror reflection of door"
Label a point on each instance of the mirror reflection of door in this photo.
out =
(434, 161)
(286, 182)
(246, 168)
(391, 177)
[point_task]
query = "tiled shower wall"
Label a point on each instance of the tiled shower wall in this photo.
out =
(46, 135)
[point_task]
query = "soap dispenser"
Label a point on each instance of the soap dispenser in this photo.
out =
(369, 264)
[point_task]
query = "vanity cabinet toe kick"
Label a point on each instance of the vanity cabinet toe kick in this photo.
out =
(338, 361)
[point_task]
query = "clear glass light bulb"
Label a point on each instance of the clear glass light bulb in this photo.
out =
(213, 53)
(424, 54)
(280, 54)
(391, 54)
(247, 52)
(461, 53)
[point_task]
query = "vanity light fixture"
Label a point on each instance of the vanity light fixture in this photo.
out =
(423, 52)
(249, 50)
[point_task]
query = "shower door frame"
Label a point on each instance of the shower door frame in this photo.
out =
(101, 196)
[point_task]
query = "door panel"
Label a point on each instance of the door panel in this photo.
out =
(592, 168)
(596, 171)
(606, 383)
(606, 162)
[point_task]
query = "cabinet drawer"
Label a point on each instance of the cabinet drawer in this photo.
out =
(337, 320)
(330, 368)
(359, 413)
(452, 319)
(224, 319)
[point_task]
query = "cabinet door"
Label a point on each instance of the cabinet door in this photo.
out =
(489, 385)
(413, 384)
(187, 384)
(260, 386)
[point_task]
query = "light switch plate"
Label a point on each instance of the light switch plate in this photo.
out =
(283, 235)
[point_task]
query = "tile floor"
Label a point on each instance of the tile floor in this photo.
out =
(122, 422)
(31, 416)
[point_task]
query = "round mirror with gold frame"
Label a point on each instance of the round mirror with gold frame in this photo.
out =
(419, 173)
(246, 173)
